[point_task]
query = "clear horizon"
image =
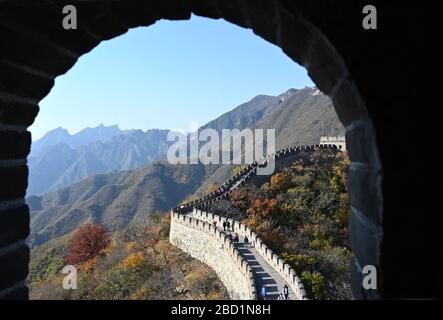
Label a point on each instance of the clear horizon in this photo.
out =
(171, 75)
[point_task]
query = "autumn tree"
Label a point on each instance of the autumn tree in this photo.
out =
(280, 181)
(88, 242)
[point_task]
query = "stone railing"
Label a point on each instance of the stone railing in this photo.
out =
(208, 244)
(288, 274)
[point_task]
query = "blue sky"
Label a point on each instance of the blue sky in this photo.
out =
(166, 76)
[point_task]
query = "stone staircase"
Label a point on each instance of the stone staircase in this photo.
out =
(264, 273)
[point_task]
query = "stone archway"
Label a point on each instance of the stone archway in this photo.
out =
(35, 49)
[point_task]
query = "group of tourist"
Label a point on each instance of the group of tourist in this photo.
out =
(234, 238)
(226, 226)
(284, 295)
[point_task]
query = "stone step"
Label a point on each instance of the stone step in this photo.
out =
(264, 273)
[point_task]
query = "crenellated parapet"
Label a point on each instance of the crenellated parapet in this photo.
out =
(288, 274)
(206, 243)
(192, 230)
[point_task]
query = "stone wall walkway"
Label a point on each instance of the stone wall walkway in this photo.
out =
(264, 273)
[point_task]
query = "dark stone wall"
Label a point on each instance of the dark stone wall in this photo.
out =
(372, 77)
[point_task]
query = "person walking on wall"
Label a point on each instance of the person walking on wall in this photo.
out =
(215, 224)
(228, 225)
(246, 240)
(285, 292)
(263, 292)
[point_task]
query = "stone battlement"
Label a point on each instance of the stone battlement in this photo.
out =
(339, 141)
(267, 254)
(204, 242)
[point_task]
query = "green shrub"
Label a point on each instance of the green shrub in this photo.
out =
(314, 283)
(299, 262)
(47, 267)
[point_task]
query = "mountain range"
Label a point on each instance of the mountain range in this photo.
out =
(299, 116)
(85, 136)
(60, 165)
(121, 181)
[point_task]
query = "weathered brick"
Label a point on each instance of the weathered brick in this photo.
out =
(15, 182)
(296, 37)
(232, 11)
(364, 239)
(18, 294)
(14, 267)
(14, 225)
(170, 10)
(364, 188)
(325, 65)
(133, 14)
(47, 20)
(15, 145)
(360, 136)
(14, 113)
(263, 19)
(16, 81)
(204, 8)
(36, 53)
(347, 101)
(358, 292)
(98, 18)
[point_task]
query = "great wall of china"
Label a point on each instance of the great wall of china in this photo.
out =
(243, 269)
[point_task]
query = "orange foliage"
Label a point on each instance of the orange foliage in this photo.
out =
(280, 181)
(239, 198)
(130, 246)
(262, 208)
(134, 260)
(88, 265)
(89, 241)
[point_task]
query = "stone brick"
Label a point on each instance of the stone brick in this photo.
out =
(204, 8)
(14, 267)
(24, 48)
(347, 101)
(97, 18)
(360, 136)
(263, 20)
(133, 14)
(17, 182)
(364, 239)
(358, 292)
(14, 113)
(296, 37)
(365, 194)
(47, 20)
(232, 11)
(14, 225)
(325, 65)
(18, 294)
(16, 81)
(15, 145)
(170, 10)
